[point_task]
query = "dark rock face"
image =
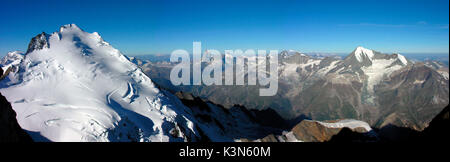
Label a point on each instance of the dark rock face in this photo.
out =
(311, 131)
(1, 74)
(10, 130)
(348, 135)
(438, 130)
(38, 42)
(393, 133)
(236, 122)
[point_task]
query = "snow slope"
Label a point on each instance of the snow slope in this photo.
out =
(79, 88)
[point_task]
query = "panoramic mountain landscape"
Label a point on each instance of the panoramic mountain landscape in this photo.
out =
(71, 85)
(224, 79)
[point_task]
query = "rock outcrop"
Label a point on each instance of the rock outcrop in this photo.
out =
(10, 131)
(438, 129)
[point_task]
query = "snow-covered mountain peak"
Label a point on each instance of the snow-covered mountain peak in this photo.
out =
(69, 27)
(294, 52)
(11, 60)
(402, 59)
(284, 54)
(41, 39)
(361, 53)
(12, 56)
(77, 87)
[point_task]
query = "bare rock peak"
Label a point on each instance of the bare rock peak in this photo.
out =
(38, 42)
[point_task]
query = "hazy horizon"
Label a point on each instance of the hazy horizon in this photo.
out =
(328, 53)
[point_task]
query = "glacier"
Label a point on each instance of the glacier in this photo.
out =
(71, 85)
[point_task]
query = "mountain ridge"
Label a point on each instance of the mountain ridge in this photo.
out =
(331, 88)
(73, 86)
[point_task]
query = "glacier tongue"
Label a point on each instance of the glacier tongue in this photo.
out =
(79, 88)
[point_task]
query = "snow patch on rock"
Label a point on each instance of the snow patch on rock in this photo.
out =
(348, 123)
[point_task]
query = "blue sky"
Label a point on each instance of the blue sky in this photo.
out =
(159, 27)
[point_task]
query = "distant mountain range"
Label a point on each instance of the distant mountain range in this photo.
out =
(414, 57)
(367, 85)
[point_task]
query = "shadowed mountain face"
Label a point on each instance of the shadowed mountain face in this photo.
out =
(344, 131)
(10, 131)
(380, 89)
(347, 130)
(437, 131)
(234, 123)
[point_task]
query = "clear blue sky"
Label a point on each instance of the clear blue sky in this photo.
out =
(152, 27)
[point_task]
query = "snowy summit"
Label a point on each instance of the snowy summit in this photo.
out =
(361, 52)
(73, 86)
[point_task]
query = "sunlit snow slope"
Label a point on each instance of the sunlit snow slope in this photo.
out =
(73, 86)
